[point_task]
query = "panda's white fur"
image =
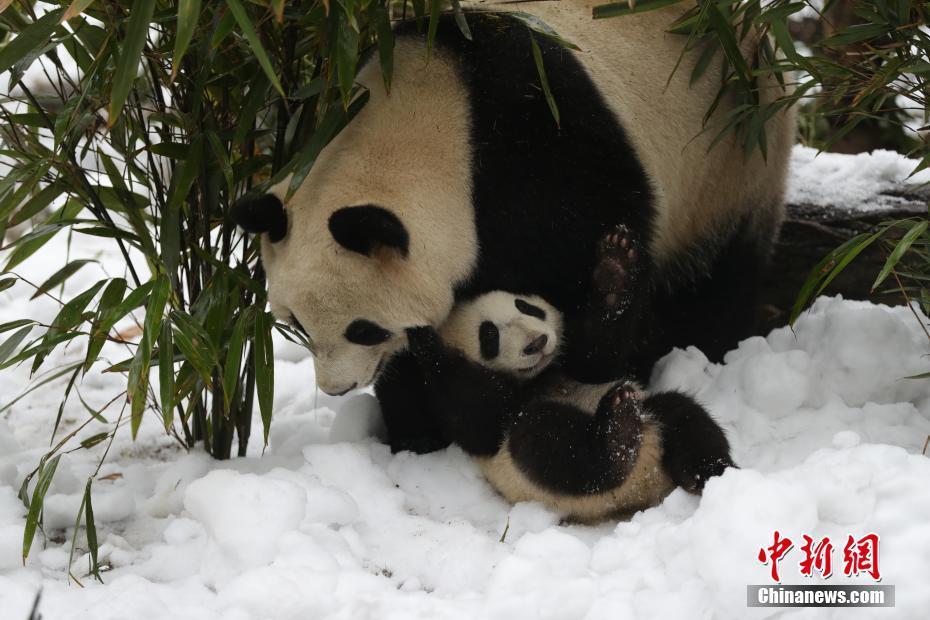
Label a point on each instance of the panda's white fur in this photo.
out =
(647, 483)
(421, 174)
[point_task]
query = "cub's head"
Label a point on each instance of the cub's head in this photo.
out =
(517, 334)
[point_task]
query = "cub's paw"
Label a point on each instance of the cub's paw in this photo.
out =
(617, 258)
(619, 424)
(622, 402)
(691, 469)
(423, 341)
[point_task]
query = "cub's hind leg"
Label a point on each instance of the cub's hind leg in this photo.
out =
(568, 451)
(694, 447)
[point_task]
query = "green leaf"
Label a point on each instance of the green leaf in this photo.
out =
(188, 13)
(242, 18)
(38, 203)
(46, 472)
(544, 81)
(263, 352)
(234, 356)
(138, 380)
(32, 37)
(194, 344)
(900, 249)
(628, 8)
(11, 344)
(537, 25)
(334, 120)
(166, 373)
(91, 526)
(346, 57)
(127, 67)
(61, 276)
(6, 283)
(93, 440)
(385, 45)
(109, 310)
(434, 9)
(829, 267)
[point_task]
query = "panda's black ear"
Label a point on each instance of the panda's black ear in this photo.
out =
(261, 213)
(367, 229)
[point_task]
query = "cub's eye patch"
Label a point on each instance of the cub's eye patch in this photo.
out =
(490, 340)
(529, 309)
(366, 333)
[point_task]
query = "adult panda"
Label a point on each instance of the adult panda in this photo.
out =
(459, 182)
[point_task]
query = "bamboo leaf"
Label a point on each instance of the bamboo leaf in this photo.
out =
(537, 25)
(242, 18)
(130, 52)
(32, 37)
(166, 373)
(628, 8)
(11, 344)
(434, 9)
(33, 518)
(234, 356)
(900, 249)
(385, 45)
(346, 57)
(60, 276)
(91, 526)
(263, 352)
(188, 13)
(544, 81)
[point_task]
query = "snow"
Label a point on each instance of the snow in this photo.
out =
(329, 524)
(850, 181)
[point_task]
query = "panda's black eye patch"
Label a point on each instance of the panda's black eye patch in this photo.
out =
(529, 309)
(489, 338)
(366, 333)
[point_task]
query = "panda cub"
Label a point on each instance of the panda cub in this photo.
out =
(587, 451)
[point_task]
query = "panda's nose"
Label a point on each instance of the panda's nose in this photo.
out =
(536, 345)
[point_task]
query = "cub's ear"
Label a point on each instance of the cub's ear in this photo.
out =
(262, 213)
(367, 229)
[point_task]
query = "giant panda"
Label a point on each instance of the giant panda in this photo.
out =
(587, 451)
(459, 182)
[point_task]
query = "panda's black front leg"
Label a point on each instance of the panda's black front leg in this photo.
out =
(602, 338)
(471, 401)
(694, 447)
(566, 450)
(412, 422)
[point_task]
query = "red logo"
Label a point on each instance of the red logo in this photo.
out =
(860, 556)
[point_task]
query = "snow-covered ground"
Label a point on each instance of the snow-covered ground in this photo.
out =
(329, 524)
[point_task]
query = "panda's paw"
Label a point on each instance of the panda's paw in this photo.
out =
(693, 471)
(615, 267)
(622, 401)
(423, 341)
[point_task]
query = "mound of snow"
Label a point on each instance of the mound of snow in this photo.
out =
(850, 181)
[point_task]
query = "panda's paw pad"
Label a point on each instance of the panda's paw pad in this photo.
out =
(623, 399)
(615, 265)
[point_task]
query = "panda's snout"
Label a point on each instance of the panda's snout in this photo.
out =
(536, 345)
